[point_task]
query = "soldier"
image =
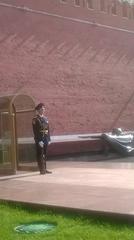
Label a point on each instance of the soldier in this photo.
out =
(41, 136)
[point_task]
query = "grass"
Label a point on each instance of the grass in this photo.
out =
(70, 226)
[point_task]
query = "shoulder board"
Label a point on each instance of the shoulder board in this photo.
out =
(34, 120)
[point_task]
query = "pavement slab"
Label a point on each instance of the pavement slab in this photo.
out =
(103, 186)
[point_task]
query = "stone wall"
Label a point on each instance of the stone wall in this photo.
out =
(79, 61)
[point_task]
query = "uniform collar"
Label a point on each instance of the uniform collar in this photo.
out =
(41, 116)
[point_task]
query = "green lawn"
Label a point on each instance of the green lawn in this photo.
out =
(69, 226)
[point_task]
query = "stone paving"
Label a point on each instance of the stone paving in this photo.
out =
(104, 186)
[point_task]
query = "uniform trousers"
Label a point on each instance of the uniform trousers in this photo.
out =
(41, 155)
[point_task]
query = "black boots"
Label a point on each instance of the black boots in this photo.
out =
(45, 172)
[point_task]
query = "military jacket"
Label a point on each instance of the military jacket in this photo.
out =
(41, 129)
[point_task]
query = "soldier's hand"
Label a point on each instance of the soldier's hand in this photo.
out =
(41, 144)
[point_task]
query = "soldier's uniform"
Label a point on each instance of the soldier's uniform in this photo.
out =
(41, 134)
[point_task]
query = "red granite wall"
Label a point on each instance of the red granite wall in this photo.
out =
(79, 61)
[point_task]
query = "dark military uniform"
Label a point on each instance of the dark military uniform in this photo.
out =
(41, 134)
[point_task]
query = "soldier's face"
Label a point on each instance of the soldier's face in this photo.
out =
(42, 111)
